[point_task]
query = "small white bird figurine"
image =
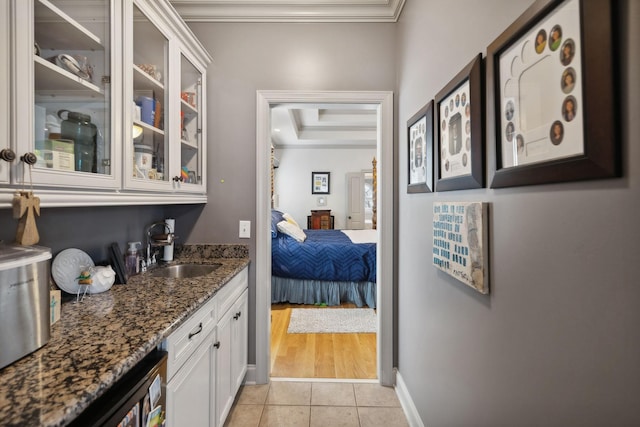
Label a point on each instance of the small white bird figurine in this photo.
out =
(103, 278)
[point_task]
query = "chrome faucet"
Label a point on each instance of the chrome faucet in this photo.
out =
(167, 237)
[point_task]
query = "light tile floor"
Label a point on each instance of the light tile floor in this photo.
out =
(316, 404)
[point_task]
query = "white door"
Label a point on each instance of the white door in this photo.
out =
(355, 201)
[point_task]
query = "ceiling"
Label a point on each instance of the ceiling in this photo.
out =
(289, 10)
(304, 125)
(324, 126)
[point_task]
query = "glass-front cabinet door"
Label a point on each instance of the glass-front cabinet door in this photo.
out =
(191, 147)
(146, 143)
(164, 108)
(7, 153)
(63, 124)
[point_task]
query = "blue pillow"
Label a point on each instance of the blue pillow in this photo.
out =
(276, 217)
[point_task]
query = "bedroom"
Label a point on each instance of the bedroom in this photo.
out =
(340, 141)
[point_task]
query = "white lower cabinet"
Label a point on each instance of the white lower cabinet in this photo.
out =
(207, 363)
(190, 393)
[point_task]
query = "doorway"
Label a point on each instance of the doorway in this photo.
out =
(384, 101)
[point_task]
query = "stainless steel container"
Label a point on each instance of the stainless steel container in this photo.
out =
(24, 300)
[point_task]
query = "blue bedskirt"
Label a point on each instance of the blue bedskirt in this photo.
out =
(301, 291)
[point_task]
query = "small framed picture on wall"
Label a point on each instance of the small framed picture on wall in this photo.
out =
(420, 151)
(320, 182)
(460, 142)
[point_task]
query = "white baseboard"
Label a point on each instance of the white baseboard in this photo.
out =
(408, 406)
(250, 376)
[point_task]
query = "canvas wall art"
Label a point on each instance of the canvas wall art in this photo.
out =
(460, 242)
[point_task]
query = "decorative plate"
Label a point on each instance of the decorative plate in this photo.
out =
(66, 268)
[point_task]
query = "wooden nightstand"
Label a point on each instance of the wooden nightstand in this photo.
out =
(320, 220)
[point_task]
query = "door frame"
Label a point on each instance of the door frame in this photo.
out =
(265, 99)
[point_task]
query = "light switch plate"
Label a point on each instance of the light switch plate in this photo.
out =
(245, 229)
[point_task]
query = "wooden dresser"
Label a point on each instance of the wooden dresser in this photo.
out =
(320, 220)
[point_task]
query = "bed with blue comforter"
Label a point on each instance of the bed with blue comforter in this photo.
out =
(327, 268)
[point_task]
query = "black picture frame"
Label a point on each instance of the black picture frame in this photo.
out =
(420, 151)
(586, 49)
(460, 160)
(320, 182)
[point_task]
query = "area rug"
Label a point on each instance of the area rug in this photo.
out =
(332, 320)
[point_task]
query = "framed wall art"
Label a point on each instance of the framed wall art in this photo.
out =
(420, 150)
(320, 182)
(460, 124)
(460, 242)
(551, 95)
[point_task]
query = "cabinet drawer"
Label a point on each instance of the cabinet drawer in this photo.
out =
(184, 340)
(231, 291)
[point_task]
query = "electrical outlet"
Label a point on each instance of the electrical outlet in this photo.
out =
(245, 229)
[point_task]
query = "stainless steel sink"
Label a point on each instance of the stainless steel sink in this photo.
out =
(184, 271)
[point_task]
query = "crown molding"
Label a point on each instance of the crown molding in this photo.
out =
(289, 10)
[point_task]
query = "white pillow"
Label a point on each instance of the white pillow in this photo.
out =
(291, 230)
(290, 219)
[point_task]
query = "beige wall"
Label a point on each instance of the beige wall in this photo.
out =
(556, 342)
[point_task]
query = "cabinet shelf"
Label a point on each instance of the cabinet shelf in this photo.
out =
(188, 109)
(148, 127)
(58, 31)
(53, 80)
(187, 144)
(143, 81)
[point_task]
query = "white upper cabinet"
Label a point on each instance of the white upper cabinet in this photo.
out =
(164, 142)
(103, 102)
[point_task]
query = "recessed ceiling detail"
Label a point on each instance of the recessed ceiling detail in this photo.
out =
(289, 10)
(337, 126)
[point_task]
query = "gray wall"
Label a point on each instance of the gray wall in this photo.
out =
(251, 57)
(91, 229)
(556, 342)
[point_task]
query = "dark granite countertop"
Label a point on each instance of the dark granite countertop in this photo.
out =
(98, 340)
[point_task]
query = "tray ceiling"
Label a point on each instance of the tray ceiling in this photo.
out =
(289, 10)
(324, 126)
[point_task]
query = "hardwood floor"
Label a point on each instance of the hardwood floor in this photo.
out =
(339, 356)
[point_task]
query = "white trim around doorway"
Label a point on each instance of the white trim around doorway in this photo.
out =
(384, 276)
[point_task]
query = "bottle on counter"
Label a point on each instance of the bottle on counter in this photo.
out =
(132, 259)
